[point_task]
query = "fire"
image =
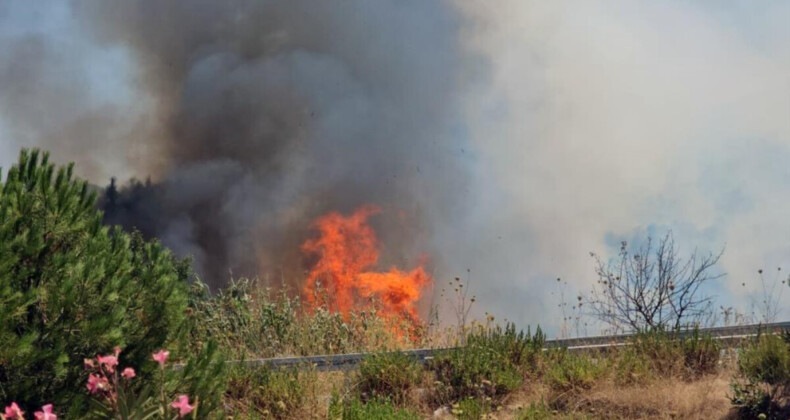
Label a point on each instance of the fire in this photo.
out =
(348, 251)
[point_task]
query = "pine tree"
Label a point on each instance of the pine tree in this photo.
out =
(71, 287)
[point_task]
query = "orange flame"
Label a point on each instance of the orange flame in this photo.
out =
(348, 248)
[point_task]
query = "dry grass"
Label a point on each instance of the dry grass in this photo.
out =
(704, 398)
(662, 399)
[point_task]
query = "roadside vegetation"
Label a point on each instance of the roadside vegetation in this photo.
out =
(97, 323)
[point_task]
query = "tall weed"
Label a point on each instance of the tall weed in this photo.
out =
(669, 354)
(574, 372)
(390, 374)
(491, 364)
(265, 393)
(253, 321)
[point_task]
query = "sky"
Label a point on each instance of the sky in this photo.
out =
(582, 124)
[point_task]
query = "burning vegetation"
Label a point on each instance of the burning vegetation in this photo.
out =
(348, 252)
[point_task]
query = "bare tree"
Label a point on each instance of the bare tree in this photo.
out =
(653, 287)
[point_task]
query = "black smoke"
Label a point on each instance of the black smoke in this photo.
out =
(267, 114)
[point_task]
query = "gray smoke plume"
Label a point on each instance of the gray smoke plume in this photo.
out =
(268, 114)
(510, 140)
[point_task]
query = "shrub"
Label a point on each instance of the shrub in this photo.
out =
(249, 320)
(203, 376)
(270, 394)
(520, 349)
(483, 368)
(764, 366)
(572, 372)
(226, 317)
(118, 395)
(376, 409)
(701, 353)
(766, 360)
(631, 367)
(660, 349)
(391, 375)
(751, 400)
(669, 354)
(70, 286)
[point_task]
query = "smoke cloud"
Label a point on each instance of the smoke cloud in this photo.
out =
(508, 140)
(268, 114)
(612, 120)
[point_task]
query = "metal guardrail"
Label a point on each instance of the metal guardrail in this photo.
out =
(729, 335)
(719, 333)
(333, 361)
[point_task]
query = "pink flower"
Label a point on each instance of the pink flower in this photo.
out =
(182, 405)
(161, 357)
(109, 362)
(88, 363)
(13, 412)
(116, 350)
(128, 373)
(96, 383)
(47, 414)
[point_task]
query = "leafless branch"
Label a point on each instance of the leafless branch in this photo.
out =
(653, 288)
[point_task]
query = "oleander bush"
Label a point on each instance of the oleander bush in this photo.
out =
(176, 391)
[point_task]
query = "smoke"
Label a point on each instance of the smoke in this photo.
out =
(53, 95)
(611, 120)
(508, 140)
(268, 114)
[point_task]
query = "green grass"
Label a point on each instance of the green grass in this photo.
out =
(472, 408)
(375, 409)
(541, 411)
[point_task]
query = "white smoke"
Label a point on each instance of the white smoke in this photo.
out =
(606, 118)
